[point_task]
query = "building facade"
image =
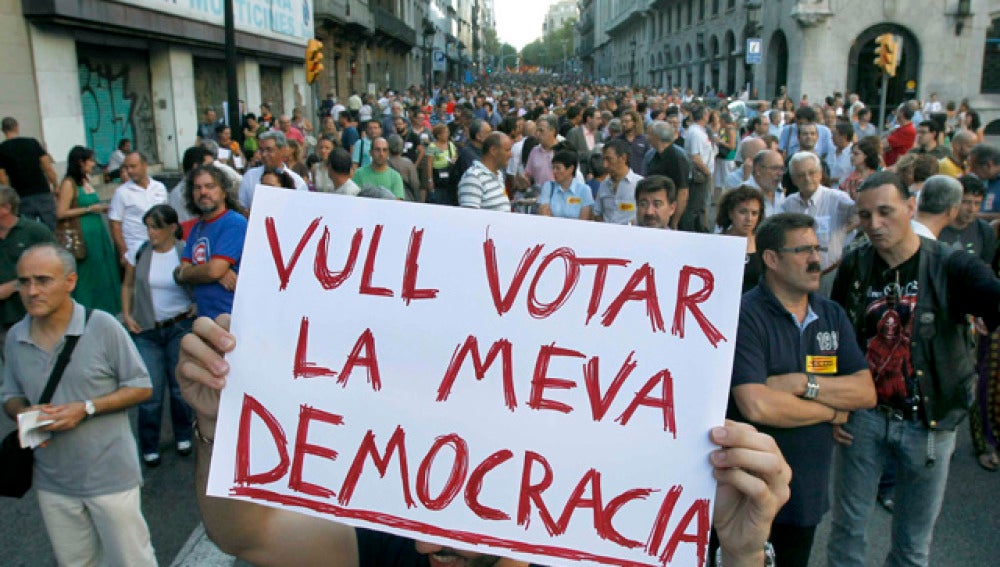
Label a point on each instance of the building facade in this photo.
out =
(808, 47)
(147, 69)
(92, 72)
(559, 13)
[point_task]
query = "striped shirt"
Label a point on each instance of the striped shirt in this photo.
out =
(480, 188)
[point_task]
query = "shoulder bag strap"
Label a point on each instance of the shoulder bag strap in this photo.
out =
(61, 363)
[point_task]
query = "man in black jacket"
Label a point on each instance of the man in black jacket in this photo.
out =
(907, 298)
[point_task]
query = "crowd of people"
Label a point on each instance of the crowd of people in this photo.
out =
(868, 321)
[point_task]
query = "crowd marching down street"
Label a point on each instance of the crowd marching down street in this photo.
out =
(868, 327)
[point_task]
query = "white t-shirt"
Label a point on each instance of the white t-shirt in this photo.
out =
(128, 205)
(169, 299)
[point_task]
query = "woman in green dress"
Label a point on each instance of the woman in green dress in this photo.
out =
(99, 283)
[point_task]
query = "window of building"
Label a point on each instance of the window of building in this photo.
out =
(715, 7)
(991, 60)
(701, 10)
(690, 15)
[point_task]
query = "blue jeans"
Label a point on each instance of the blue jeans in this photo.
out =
(159, 349)
(918, 494)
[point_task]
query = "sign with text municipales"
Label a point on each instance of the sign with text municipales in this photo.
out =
(523, 386)
(287, 20)
(755, 48)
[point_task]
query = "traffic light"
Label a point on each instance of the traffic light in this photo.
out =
(887, 54)
(314, 60)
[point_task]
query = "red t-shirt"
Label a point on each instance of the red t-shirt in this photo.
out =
(900, 141)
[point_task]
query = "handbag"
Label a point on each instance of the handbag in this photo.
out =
(69, 234)
(16, 463)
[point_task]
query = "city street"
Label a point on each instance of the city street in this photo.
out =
(965, 535)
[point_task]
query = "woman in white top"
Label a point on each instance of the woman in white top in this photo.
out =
(158, 313)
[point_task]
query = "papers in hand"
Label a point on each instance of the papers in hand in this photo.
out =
(29, 429)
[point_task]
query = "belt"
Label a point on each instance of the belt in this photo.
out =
(171, 322)
(896, 414)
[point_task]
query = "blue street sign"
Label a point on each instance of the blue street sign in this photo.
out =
(440, 64)
(755, 48)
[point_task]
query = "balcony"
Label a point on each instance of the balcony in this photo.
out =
(334, 10)
(388, 24)
(359, 17)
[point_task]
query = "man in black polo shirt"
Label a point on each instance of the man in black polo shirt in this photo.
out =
(670, 161)
(798, 371)
(27, 167)
(17, 234)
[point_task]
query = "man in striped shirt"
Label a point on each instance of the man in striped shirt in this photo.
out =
(482, 186)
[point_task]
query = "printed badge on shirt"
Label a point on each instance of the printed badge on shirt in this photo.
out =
(574, 201)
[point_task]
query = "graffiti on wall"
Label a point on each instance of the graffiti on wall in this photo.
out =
(116, 105)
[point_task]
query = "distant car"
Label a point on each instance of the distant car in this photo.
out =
(743, 111)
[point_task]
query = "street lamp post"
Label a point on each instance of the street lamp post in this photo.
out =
(461, 62)
(631, 67)
(753, 28)
(429, 33)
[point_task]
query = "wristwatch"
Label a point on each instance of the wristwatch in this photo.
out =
(768, 555)
(88, 406)
(812, 387)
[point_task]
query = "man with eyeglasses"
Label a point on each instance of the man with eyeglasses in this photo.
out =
(271, 148)
(927, 140)
(833, 210)
(797, 372)
(768, 169)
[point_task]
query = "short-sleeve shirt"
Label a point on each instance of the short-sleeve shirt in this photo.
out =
(128, 205)
(483, 189)
(615, 202)
(389, 179)
(697, 143)
(566, 203)
(673, 163)
(98, 456)
(218, 238)
(832, 209)
(539, 165)
(19, 158)
(991, 202)
(769, 341)
(21, 236)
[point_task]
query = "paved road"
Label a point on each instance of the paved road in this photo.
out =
(966, 534)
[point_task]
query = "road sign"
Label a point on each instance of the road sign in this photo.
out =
(755, 49)
(440, 63)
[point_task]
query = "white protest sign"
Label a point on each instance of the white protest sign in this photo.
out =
(522, 386)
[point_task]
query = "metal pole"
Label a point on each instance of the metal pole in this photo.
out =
(881, 112)
(232, 91)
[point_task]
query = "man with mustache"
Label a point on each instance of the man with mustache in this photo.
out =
(797, 372)
(907, 298)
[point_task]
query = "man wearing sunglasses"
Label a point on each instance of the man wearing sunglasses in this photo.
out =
(797, 372)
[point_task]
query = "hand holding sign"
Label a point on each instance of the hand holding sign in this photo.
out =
(565, 411)
(753, 479)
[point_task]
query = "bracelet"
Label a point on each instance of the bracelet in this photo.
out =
(199, 435)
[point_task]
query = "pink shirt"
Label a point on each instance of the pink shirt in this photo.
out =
(539, 165)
